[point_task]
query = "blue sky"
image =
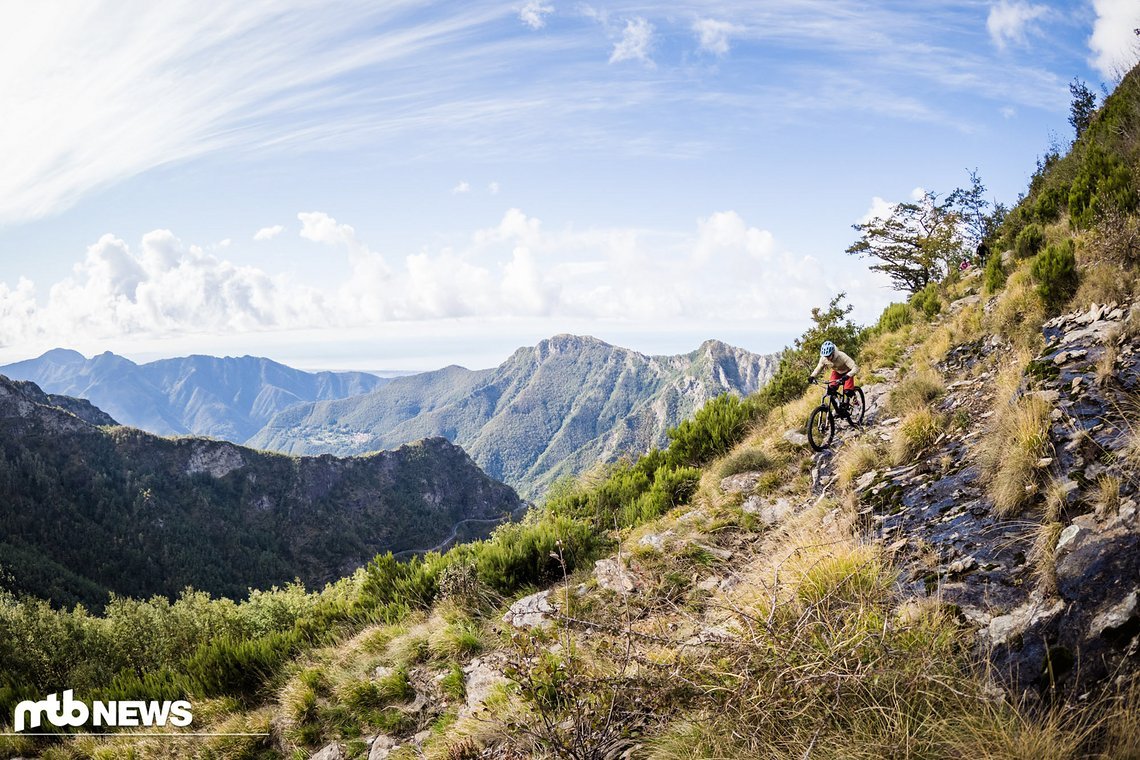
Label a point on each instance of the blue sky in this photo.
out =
(408, 184)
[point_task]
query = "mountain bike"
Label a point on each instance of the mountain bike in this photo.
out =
(848, 406)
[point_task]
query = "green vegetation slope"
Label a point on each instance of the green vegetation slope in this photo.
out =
(88, 509)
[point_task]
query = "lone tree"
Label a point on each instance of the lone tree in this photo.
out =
(978, 218)
(915, 245)
(1083, 107)
(972, 208)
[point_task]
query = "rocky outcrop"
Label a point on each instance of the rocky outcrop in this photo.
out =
(936, 518)
(532, 611)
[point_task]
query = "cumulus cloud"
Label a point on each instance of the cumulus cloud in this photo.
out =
(268, 233)
(1008, 112)
(713, 35)
(461, 188)
(720, 268)
(493, 188)
(636, 42)
(725, 231)
(534, 13)
(1010, 20)
(160, 287)
(879, 209)
(319, 227)
(1113, 42)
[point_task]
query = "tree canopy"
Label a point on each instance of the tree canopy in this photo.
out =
(916, 244)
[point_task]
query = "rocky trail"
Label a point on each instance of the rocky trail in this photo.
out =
(935, 519)
(932, 516)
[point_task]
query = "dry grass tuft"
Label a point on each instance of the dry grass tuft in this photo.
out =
(1056, 497)
(1107, 495)
(915, 392)
(1020, 312)
(1012, 450)
(744, 458)
(1102, 283)
(855, 459)
(916, 434)
(1043, 556)
(1106, 364)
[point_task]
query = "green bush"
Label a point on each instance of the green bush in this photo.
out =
(1055, 270)
(746, 460)
(527, 553)
(1103, 182)
(894, 317)
(1049, 204)
(413, 583)
(1030, 240)
(241, 668)
(995, 275)
(671, 486)
(712, 432)
(927, 301)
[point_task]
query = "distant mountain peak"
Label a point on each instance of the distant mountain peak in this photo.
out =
(228, 397)
(557, 407)
(63, 356)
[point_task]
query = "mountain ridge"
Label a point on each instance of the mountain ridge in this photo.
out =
(548, 410)
(223, 397)
(94, 508)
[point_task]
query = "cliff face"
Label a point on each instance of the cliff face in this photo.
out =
(90, 509)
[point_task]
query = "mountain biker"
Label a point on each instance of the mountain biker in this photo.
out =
(843, 367)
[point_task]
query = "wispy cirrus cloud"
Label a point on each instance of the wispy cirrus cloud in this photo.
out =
(412, 78)
(182, 80)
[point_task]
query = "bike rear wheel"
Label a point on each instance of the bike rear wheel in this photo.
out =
(821, 428)
(858, 408)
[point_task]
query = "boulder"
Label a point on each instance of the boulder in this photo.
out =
(1005, 628)
(482, 676)
(742, 482)
(532, 611)
(612, 574)
(722, 554)
(796, 438)
(770, 512)
(382, 746)
(1068, 538)
(330, 752)
(960, 566)
(866, 480)
(655, 541)
(1118, 617)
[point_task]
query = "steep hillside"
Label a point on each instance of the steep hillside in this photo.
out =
(557, 408)
(90, 509)
(229, 398)
(957, 576)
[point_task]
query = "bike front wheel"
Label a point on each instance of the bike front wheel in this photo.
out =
(858, 408)
(821, 428)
